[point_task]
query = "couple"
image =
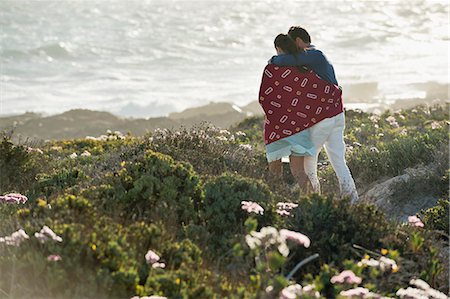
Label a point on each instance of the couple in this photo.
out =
(304, 112)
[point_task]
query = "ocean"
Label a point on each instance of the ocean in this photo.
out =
(151, 58)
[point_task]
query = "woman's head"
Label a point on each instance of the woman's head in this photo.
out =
(284, 44)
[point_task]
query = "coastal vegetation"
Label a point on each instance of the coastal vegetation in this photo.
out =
(194, 213)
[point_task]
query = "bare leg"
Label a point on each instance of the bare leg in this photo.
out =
(298, 171)
(276, 168)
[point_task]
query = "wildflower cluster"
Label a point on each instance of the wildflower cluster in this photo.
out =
(360, 292)
(284, 208)
(346, 276)
(15, 238)
(392, 121)
(269, 236)
(116, 135)
(420, 290)
(384, 263)
(13, 198)
(83, 154)
(152, 259)
(252, 207)
(34, 150)
(415, 221)
(54, 258)
(46, 234)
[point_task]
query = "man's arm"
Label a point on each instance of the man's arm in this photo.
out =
(306, 58)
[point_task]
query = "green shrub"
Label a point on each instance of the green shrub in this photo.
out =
(390, 159)
(210, 150)
(437, 217)
(222, 212)
(18, 167)
(154, 188)
(334, 226)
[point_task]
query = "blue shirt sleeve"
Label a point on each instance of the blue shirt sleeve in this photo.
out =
(308, 58)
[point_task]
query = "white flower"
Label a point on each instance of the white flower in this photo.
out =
(266, 237)
(435, 125)
(291, 292)
(246, 146)
(387, 263)
(46, 233)
(374, 118)
(371, 263)
(86, 154)
(420, 284)
(15, 238)
(158, 265)
(283, 249)
(252, 207)
(374, 150)
(73, 156)
(252, 242)
(298, 238)
(151, 257)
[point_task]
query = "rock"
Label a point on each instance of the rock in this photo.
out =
(386, 194)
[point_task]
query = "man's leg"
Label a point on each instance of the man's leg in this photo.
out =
(319, 134)
(335, 148)
(310, 166)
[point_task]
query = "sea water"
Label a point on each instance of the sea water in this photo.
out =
(149, 58)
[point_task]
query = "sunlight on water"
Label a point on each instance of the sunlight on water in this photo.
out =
(150, 58)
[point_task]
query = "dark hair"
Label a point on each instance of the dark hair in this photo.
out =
(286, 43)
(297, 31)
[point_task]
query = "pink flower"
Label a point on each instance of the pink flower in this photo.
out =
(346, 276)
(296, 237)
(415, 221)
(356, 292)
(13, 198)
(54, 258)
(252, 207)
(46, 233)
(151, 257)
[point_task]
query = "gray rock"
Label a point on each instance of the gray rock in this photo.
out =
(386, 194)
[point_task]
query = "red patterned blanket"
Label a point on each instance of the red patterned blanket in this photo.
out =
(294, 101)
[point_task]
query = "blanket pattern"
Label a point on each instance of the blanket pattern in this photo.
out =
(294, 101)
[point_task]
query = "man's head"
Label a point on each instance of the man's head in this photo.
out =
(300, 36)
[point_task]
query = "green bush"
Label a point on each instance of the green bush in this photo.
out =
(334, 226)
(391, 158)
(18, 166)
(437, 217)
(222, 212)
(154, 188)
(210, 150)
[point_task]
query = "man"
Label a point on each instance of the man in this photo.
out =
(329, 132)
